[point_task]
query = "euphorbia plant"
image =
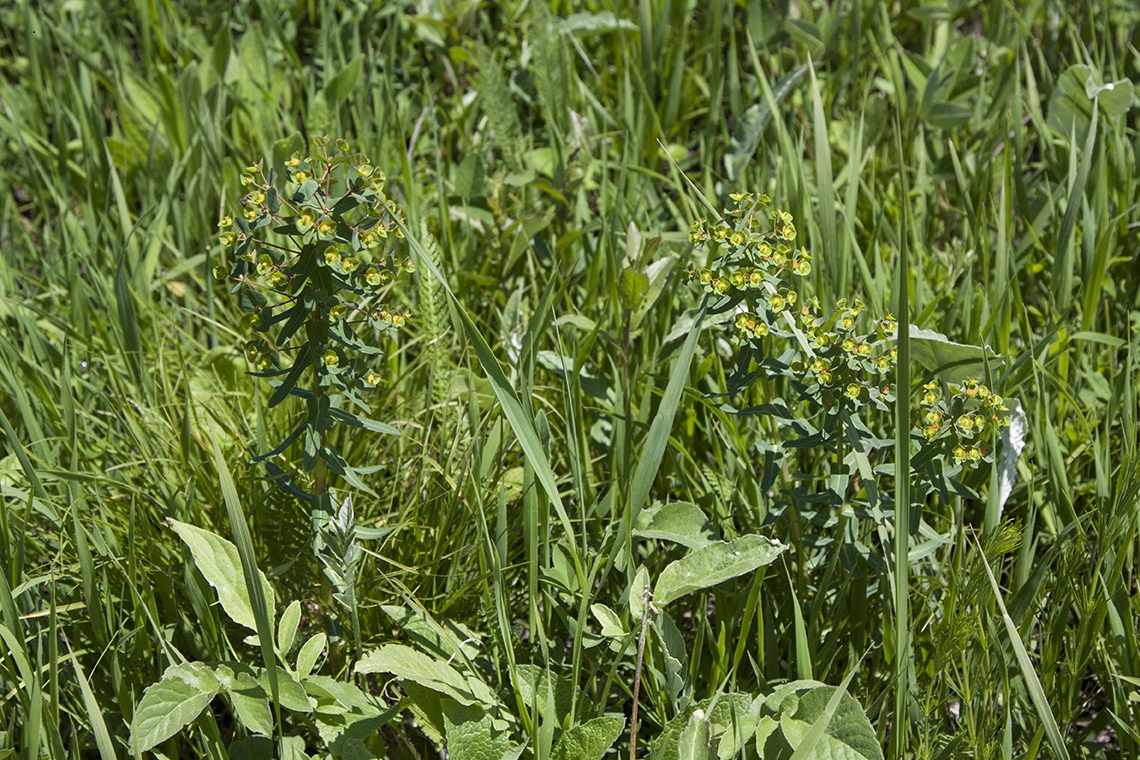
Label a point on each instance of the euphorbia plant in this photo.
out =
(840, 363)
(313, 258)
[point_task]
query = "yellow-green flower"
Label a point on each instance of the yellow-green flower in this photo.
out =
(256, 197)
(372, 378)
(761, 330)
(332, 256)
(372, 276)
(349, 265)
(330, 358)
(737, 238)
(327, 227)
(337, 312)
(776, 302)
(853, 390)
(226, 222)
(305, 220)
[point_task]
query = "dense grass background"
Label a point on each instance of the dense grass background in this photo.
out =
(524, 141)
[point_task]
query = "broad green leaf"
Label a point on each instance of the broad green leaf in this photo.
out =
(533, 685)
(290, 692)
(293, 748)
(848, 733)
(251, 748)
(589, 740)
(329, 691)
(340, 86)
(955, 362)
(611, 623)
(171, 704)
(722, 714)
(310, 651)
(287, 627)
(632, 288)
(408, 664)
(471, 734)
(445, 639)
(714, 564)
(695, 742)
(680, 522)
(250, 701)
(1073, 98)
(218, 561)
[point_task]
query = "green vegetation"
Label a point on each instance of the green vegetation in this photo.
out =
(624, 479)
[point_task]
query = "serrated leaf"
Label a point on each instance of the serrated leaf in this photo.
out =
(714, 564)
(310, 651)
(408, 664)
(680, 522)
(471, 734)
(589, 740)
(287, 627)
(171, 704)
(611, 623)
(533, 688)
(217, 559)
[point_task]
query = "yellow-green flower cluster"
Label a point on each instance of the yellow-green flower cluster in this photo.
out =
(964, 420)
(319, 237)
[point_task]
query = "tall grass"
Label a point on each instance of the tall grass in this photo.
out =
(925, 154)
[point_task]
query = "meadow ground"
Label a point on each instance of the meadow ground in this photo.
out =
(587, 394)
